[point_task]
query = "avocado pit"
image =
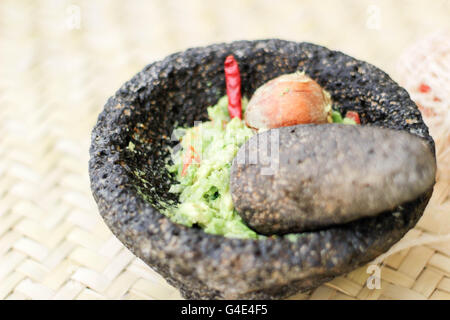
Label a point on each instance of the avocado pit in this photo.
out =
(288, 100)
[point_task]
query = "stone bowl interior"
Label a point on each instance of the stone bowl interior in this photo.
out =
(130, 183)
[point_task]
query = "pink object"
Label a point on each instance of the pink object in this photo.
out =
(424, 70)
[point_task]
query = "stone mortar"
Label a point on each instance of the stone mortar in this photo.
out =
(131, 141)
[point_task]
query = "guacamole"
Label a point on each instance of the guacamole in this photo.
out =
(202, 168)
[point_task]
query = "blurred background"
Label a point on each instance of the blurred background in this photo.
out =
(61, 60)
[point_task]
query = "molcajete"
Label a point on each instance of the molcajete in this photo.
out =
(133, 134)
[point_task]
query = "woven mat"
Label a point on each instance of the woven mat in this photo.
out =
(60, 61)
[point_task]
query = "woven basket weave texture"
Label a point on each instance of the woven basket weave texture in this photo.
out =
(60, 61)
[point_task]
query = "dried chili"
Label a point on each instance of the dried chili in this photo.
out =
(233, 83)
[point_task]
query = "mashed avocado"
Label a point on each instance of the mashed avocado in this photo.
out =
(202, 168)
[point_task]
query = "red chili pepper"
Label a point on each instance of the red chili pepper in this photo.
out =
(190, 155)
(233, 82)
(354, 116)
(424, 88)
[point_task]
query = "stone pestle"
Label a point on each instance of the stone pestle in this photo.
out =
(306, 177)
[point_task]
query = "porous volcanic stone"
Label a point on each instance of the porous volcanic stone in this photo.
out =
(129, 180)
(315, 176)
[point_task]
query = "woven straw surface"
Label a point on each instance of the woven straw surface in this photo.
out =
(61, 60)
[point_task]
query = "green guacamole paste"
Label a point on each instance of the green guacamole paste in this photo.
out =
(202, 168)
